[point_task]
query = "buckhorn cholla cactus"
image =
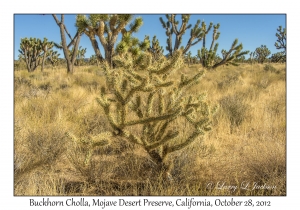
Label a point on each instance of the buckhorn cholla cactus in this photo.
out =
(145, 96)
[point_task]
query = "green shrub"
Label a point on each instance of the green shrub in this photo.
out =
(269, 67)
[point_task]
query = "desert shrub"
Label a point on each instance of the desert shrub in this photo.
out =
(93, 122)
(80, 153)
(250, 93)
(186, 167)
(276, 107)
(43, 147)
(34, 92)
(45, 73)
(87, 81)
(263, 82)
(263, 79)
(63, 86)
(38, 76)
(18, 81)
(45, 86)
(268, 168)
(235, 108)
(91, 69)
(270, 68)
(229, 80)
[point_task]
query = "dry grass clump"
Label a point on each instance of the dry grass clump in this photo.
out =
(247, 146)
(40, 149)
(235, 108)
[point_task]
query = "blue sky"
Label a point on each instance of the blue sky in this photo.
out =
(252, 30)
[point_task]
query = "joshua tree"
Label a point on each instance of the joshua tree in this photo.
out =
(171, 26)
(281, 38)
(241, 59)
(74, 41)
(46, 46)
(280, 44)
(34, 52)
(132, 45)
(93, 60)
(53, 58)
(251, 58)
(208, 57)
(148, 100)
(155, 49)
(80, 55)
(261, 53)
(189, 58)
(278, 57)
(107, 28)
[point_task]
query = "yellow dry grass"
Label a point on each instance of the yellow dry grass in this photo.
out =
(246, 148)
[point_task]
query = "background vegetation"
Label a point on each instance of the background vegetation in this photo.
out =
(247, 143)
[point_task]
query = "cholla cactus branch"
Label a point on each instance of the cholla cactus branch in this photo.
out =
(186, 82)
(189, 140)
(167, 138)
(153, 119)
